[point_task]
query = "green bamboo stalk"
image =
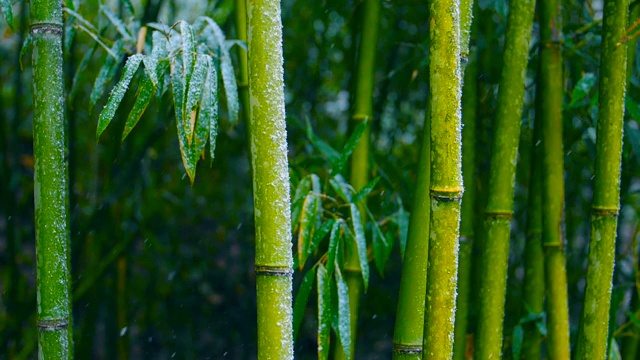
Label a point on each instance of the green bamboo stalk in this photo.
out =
(468, 221)
(446, 178)
(362, 111)
(550, 109)
(592, 337)
(274, 260)
(50, 182)
(533, 292)
(499, 210)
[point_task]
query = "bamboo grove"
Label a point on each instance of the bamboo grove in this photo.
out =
(440, 179)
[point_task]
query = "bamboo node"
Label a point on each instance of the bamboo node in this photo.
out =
(446, 195)
(360, 117)
(352, 270)
(407, 349)
(273, 270)
(498, 214)
(243, 84)
(50, 28)
(604, 211)
(53, 324)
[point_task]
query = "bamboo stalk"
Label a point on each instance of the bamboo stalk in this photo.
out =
(274, 260)
(50, 181)
(499, 209)
(468, 221)
(592, 337)
(446, 178)
(550, 109)
(363, 111)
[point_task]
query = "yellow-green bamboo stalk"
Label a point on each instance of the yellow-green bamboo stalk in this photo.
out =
(592, 337)
(550, 112)
(50, 182)
(468, 221)
(274, 260)
(446, 178)
(362, 111)
(504, 154)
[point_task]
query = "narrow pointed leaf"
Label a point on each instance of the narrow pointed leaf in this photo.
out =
(117, 93)
(298, 199)
(341, 187)
(193, 95)
(107, 72)
(25, 47)
(302, 298)
(85, 23)
(117, 22)
(324, 312)
(381, 247)
(339, 164)
(159, 45)
(151, 69)
(208, 113)
(211, 101)
(344, 317)
(518, 338)
(7, 10)
(129, 6)
(326, 149)
(402, 221)
(188, 62)
(305, 234)
(365, 191)
(187, 152)
(319, 235)
(334, 239)
(582, 89)
(361, 242)
(145, 93)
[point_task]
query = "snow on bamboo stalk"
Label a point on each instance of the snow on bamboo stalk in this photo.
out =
(502, 178)
(446, 178)
(363, 111)
(592, 338)
(274, 260)
(552, 170)
(50, 182)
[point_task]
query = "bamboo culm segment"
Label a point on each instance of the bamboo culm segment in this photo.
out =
(274, 260)
(363, 111)
(550, 109)
(533, 292)
(51, 183)
(592, 337)
(469, 68)
(502, 178)
(446, 178)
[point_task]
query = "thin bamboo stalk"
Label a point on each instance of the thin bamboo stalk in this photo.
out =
(499, 211)
(362, 111)
(550, 111)
(274, 260)
(468, 221)
(592, 337)
(446, 185)
(51, 183)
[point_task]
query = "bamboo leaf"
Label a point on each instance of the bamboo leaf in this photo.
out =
(193, 95)
(25, 47)
(402, 221)
(365, 191)
(326, 149)
(302, 298)
(159, 46)
(129, 7)
(381, 246)
(518, 337)
(188, 63)
(614, 351)
(308, 220)
(145, 92)
(319, 235)
(7, 10)
(324, 312)
(334, 239)
(117, 22)
(208, 112)
(348, 149)
(117, 93)
(81, 69)
(298, 199)
(151, 69)
(340, 186)
(87, 25)
(107, 72)
(361, 242)
(344, 316)
(187, 152)
(211, 101)
(582, 89)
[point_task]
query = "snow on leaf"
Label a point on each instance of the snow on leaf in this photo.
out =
(365, 191)
(334, 238)
(193, 95)
(341, 187)
(145, 92)
(107, 72)
(151, 69)
(302, 298)
(188, 48)
(117, 22)
(344, 316)
(117, 93)
(361, 242)
(324, 312)
(208, 113)
(211, 102)
(160, 46)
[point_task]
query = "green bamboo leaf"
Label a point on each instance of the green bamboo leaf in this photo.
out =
(187, 152)
(340, 186)
(208, 112)
(159, 46)
(85, 23)
(117, 93)
(129, 7)
(196, 83)
(326, 149)
(518, 337)
(348, 149)
(309, 220)
(117, 22)
(145, 92)
(298, 199)
(188, 63)
(365, 191)
(7, 10)
(381, 246)
(151, 69)
(361, 242)
(302, 298)
(334, 239)
(614, 351)
(582, 88)
(344, 316)
(229, 44)
(211, 101)
(324, 312)
(107, 72)
(25, 47)
(320, 234)
(402, 221)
